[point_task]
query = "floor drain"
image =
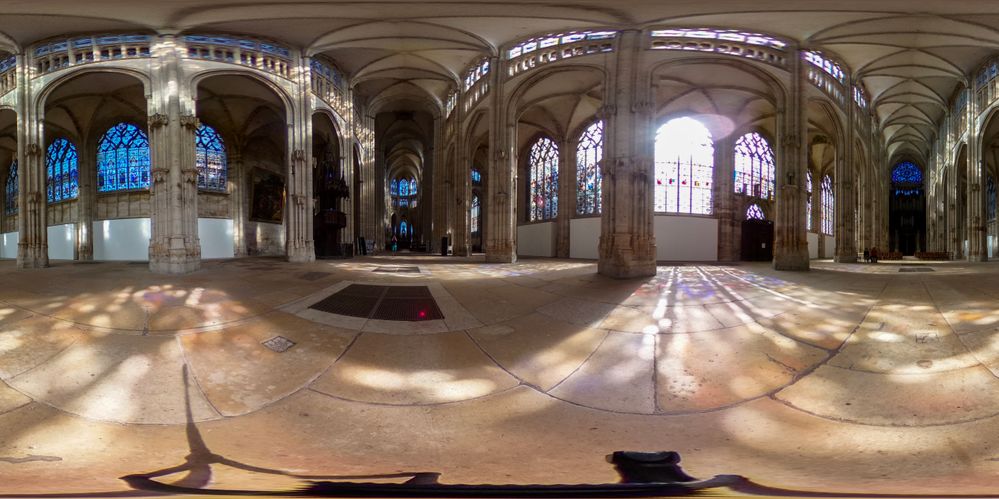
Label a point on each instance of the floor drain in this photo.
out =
(279, 344)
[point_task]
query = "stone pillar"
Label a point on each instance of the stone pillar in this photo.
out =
(846, 200)
(239, 199)
(86, 200)
(627, 241)
(298, 219)
(462, 182)
(566, 197)
(32, 226)
(174, 247)
(726, 202)
(501, 229)
(977, 225)
(439, 194)
(790, 240)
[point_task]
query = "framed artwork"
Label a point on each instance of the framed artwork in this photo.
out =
(267, 196)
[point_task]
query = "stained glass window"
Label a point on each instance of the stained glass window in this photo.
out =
(990, 198)
(412, 187)
(754, 166)
(62, 172)
(404, 188)
(827, 205)
(403, 228)
(123, 159)
(808, 200)
(476, 213)
(394, 187)
(210, 159)
(543, 165)
(684, 167)
(10, 191)
(754, 212)
(906, 172)
(588, 177)
(476, 177)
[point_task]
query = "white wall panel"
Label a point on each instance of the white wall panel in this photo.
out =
(680, 238)
(62, 242)
(813, 245)
(216, 236)
(584, 237)
(124, 239)
(536, 239)
(8, 245)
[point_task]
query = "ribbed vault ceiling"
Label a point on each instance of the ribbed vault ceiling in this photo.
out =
(911, 55)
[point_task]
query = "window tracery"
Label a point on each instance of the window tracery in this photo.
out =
(588, 175)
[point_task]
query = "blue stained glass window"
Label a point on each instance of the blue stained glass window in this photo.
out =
(394, 187)
(403, 228)
(412, 187)
(907, 172)
(754, 212)
(10, 191)
(754, 166)
(990, 198)
(123, 159)
(827, 205)
(403, 188)
(210, 159)
(476, 176)
(62, 171)
(588, 175)
(543, 166)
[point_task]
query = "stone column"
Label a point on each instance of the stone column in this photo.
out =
(174, 247)
(86, 200)
(501, 228)
(238, 197)
(566, 197)
(32, 226)
(846, 200)
(790, 240)
(462, 183)
(627, 241)
(298, 219)
(726, 202)
(977, 225)
(439, 185)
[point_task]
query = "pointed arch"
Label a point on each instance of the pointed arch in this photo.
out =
(754, 166)
(589, 153)
(123, 159)
(61, 171)
(684, 168)
(543, 180)
(210, 158)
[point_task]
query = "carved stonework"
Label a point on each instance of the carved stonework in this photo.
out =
(158, 120)
(606, 111)
(643, 107)
(33, 150)
(190, 176)
(299, 200)
(298, 155)
(190, 122)
(159, 175)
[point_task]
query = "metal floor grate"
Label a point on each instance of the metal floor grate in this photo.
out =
(390, 303)
(402, 268)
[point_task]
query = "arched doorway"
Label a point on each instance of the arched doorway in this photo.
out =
(757, 236)
(907, 209)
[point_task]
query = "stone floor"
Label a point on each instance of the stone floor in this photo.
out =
(848, 378)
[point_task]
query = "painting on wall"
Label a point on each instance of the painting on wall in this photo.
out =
(267, 201)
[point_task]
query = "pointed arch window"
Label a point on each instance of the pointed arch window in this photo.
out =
(754, 166)
(10, 191)
(828, 201)
(754, 212)
(543, 192)
(404, 188)
(684, 167)
(990, 198)
(123, 159)
(588, 176)
(210, 159)
(476, 212)
(808, 200)
(476, 177)
(394, 187)
(61, 171)
(412, 187)
(403, 228)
